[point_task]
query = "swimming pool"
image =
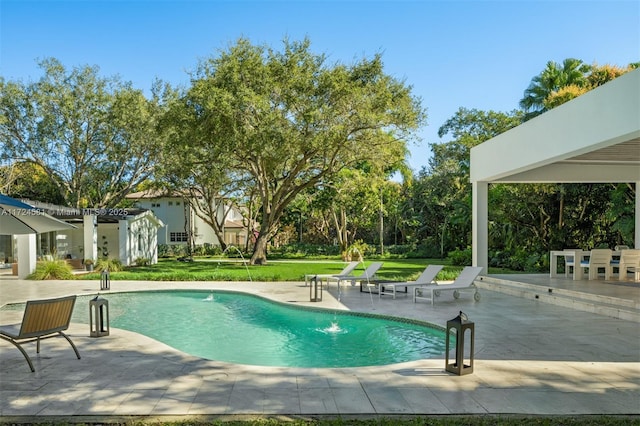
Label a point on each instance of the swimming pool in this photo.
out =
(247, 329)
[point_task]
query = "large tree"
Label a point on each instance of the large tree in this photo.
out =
(559, 83)
(441, 194)
(285, 121)
(94, 136)
(555, 76)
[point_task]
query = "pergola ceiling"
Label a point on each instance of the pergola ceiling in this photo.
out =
(623, 153)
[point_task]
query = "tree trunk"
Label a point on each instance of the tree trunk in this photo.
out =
(381, 216)
(341, 232)
(561, 210)
(259, 256)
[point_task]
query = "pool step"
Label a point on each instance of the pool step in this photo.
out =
(614, 307)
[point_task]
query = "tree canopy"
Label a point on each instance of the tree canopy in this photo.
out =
(284, 121)
(559, 83)
(292, 139)
(94, 136)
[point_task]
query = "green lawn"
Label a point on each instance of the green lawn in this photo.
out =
(212, 269)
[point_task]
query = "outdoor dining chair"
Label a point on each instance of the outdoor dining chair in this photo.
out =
(598, 259)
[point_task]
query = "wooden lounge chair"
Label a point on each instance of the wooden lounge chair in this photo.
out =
(464, 282)
(427, 276)
(42, 319)
(346, 271)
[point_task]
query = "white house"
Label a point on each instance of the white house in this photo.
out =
(124, 234)
(180, 219)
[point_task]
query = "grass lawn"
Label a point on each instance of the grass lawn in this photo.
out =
(235, 269)
(223, 269)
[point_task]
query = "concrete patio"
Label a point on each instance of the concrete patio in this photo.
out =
(531, 358)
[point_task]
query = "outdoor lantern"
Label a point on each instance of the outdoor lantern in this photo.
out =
(313, 290)
(462, 364)
(105, 280)
(98, 317)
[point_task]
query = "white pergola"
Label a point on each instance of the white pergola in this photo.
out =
(594, 138)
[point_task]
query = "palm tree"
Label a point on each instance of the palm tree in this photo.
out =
(572, 72)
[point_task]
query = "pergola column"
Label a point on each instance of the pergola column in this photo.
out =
(480, 220)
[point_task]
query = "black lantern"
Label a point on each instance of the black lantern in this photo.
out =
(98, 317)
(314, 294)
(462, 364)
(105, 280)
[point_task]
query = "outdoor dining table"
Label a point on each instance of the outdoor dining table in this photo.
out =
(578, 256)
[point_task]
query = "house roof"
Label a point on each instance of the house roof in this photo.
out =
(593, 138)
(151, 194)
(234, 224)
(111, 215)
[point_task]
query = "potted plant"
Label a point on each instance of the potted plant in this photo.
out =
(88, 264)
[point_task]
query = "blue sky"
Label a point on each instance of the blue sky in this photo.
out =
(472, 54)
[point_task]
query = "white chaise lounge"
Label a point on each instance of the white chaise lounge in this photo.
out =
(346, 271)
(367, 275)
(427, 277)
(464, 282)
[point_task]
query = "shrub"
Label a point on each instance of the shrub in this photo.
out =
(207, 249)
(461, 257)
(165, 250)
(359, 250)
(52, 270)
(179, 250)
(425, 250)
(400, 249)
(171, 250)
(142, 261)
(521, 260)
(113, 265)
(298, 250)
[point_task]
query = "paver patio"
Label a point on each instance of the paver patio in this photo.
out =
(531, 358)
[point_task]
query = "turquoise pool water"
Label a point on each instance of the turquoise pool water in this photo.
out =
(245, 329)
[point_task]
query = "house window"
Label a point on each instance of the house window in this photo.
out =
(170, 203)
(155, 205)
(177, 237)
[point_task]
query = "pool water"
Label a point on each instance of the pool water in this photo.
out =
(246, 329)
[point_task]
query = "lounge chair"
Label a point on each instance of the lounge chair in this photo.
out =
(42, 319)
(598, 259)
(367, 275)
(464, 282)
(346, 271)
(427, 276)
